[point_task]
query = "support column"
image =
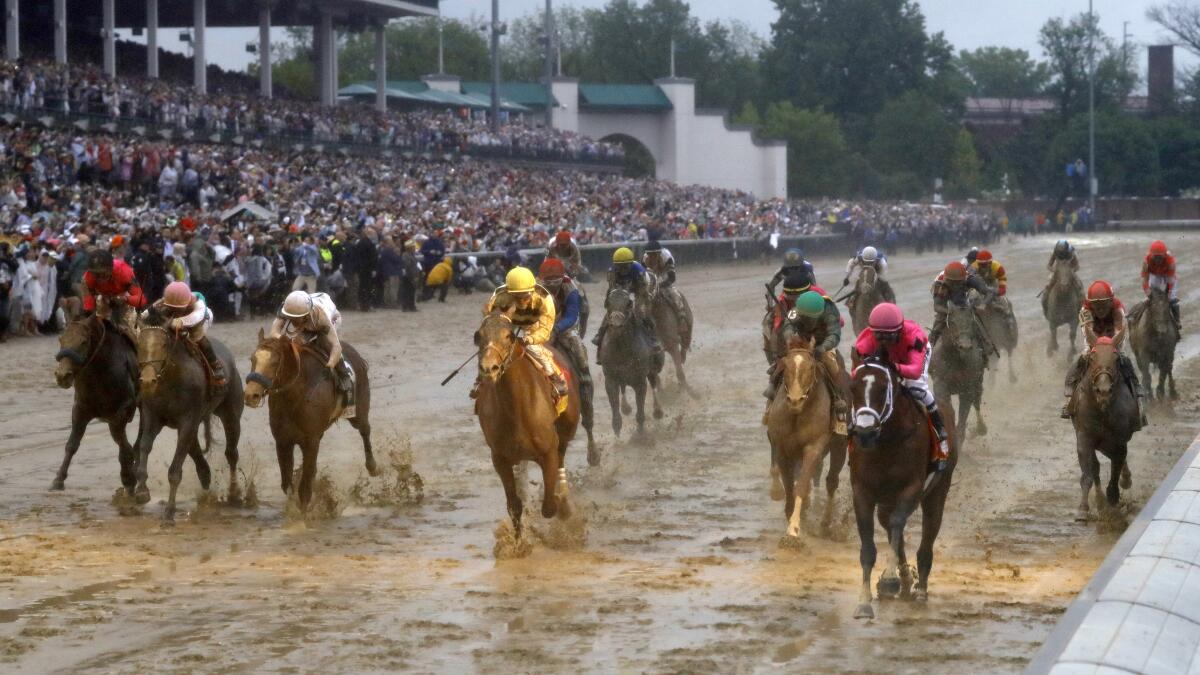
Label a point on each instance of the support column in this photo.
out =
(264, 50)
(325, 32)
(109, 11)
(152, 39)
(60, 32)
(199, 18)
(333, 65)
(381, 67)
(12, 32)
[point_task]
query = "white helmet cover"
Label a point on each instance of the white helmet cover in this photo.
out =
(297, 305)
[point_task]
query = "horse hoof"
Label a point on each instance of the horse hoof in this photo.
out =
(372, 468)
(920, 595)
(1081, 516)
(864, 611)
(889, 587)
(142, 495)
(658, 414)
(626, 409)
(981, 431)
(776, 491)
(58, 484)
(593, 455)
(564, 508)
(1126, 481)
(168, 521)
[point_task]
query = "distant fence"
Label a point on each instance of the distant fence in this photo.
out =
(1106, 209)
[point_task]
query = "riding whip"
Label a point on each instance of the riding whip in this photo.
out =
(847, 296)
(458, 369)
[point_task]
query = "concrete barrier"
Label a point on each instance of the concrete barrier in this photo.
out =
(1187, 224)
(1140, 613)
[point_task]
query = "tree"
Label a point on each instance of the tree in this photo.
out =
(412, 51)
(748, 115)
(1127, 156)
(912, 135)
(1066, 46)
(1003, 73)
(1178, 142)
(965, 166)
(1180, 18)
(817, 153)
(523, 52)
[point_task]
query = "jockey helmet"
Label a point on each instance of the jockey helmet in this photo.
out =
(1063, 246)
(796, 282)
(984, 256)
(793, 256)
(519, 280)
(100, 261)
(955, 271)
(1099, 291)
(810, 304)
(1158, 248)
(886, 318)
(297, 305)
(177, 295)
(653, 246)
(552, 268)
(623, 255)
(869, 254)
(563, 237)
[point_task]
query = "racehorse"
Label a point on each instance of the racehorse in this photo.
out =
(1061, 304)
(628, 360)
(799, 427)
(1153, 337)
(957, 367)
(674, 335)
(516, 410)
(175, 392)
(102, 365)
(889, 473)
(304, 401)
(1000, 324)
(1105, 419)
(866, 295)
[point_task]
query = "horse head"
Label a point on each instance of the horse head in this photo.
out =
(866, 280)
(266, 366)
(799, 372)
(620, 306)
(1158, 312)
(77, 346)
(498, 345)
(961, 326)
(1102, 371)
(154, 343)
(872, 387)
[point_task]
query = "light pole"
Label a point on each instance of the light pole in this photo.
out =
(549, 64)
(1091, 173)
(496, 66)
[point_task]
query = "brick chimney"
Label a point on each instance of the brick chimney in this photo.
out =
(1160, 82)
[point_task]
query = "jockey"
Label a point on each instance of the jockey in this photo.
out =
(1063, 253)
(661, 263)
(951, 286)
(815, 317)
(870, 257)
(314, 316)
(567, 298)
(991, 272)
(793, 263)
(188, 312)
(902, 343)
(532, 309)
(971, 256)
(1102, 315)
(564, 248)
(110, 288)
(1158, 272)
(628, 274)
(797, 282)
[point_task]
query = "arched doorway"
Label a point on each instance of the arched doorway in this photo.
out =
(639, 162)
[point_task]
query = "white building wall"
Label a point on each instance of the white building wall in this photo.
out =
(645, 127)
(566, 92)
(730, 158)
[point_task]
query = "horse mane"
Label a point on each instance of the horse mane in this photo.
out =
(153, 316)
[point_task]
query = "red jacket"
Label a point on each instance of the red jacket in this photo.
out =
(907, 354)
(121, 283)
(1164, 269)
(784, 304)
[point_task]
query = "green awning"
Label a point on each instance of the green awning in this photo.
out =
(528, 94)
(623, 97)
(409, 91)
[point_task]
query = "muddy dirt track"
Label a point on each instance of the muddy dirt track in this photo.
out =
(678, 566)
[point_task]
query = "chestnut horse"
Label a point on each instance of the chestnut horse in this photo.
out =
(304, 402)
(102, 365)
(799, 427)
(515, 405)
(889, 473)
(1105, 418)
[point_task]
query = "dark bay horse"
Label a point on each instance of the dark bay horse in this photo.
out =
(1153, 336)
(800, 429)
(303, 402)
(889, 460)
(1061, 304)
(628, 360)
(866, 295)
(175, 393)
(957, 367)
(516, 411)
(674, 334)
(102, 365)
(1105, 419)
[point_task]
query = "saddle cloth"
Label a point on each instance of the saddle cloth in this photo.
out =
(560, 402)
(194, 350)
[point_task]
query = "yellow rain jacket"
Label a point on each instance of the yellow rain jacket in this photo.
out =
(442, 273)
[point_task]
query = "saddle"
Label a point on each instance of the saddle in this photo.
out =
(196, 353)
(345, 382)
(560, 369)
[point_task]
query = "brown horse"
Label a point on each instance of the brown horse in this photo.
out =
(674, 333)
(175, 392)
(102, 366)
(516, 410)
(956, 366)
(1153, 336)
(1105, 418)
(800, 431)
(889, 472)
(304, 402)
(1060, 304)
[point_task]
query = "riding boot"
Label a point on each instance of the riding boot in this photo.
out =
(346, 382)
(1130, 374)
(1073, 377)
(214, 364)
(560, 384)
(942, 459)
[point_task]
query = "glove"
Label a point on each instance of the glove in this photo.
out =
(176, 324)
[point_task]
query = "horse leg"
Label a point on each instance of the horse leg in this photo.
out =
(1126, 476)
(1147, 379)
(888, 585)
(285, 453)
(363, 426)
(232, 424)
(505, 470)
(777, 491)
(1171, 375)
(549, 465)
(148, 429)
(810, 468)
(639, 396)
(896, 520)
(1087, 460)
(308, 470)
(655, 383)
(1115, 476)
(613, 390)
(625, 407)
(79, 422)
(837, 459)
(187, 444)
(864, 507)
(1012, 374)
(203, 470)
(964, 410)
(791, 507)
(931, 522)
(980, 427)
(126, 455)
(1052, 345)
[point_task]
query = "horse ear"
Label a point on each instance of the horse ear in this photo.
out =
(477, 338)
(261, 334)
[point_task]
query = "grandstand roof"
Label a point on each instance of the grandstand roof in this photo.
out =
(528, 94)
(240, 13)
(623, 97)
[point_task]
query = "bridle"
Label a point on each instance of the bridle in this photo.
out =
(492, 347)
(167, 353)
(880, 416)
(74, 355)
(266, 382)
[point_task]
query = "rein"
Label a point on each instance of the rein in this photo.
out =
(881, 416)
(512, 353)
(77, 358)
(267, 383)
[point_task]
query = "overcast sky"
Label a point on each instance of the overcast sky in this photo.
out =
(967, 23)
